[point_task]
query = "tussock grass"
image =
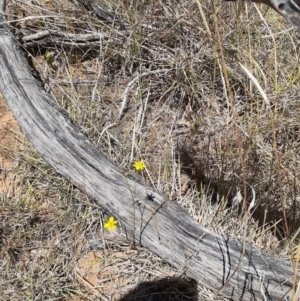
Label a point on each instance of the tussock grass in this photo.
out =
(214, 116)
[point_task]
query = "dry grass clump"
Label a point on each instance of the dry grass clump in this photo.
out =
(215, 118)
(42, 230)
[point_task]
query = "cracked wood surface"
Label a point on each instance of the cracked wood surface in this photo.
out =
(157, 223)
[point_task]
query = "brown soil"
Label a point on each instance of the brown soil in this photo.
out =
(10, 145)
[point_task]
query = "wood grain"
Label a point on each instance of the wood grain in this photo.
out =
(156, 223)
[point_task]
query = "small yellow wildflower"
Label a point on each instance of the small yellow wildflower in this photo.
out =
(111, 224)
(139, 165)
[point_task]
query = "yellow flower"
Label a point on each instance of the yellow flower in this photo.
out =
(111, 224)
(139, 165)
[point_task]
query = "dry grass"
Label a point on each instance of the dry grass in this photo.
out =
(213, 117)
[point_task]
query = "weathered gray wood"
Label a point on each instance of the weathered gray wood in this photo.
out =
(156, 223)
(287, 8)
(46, 38)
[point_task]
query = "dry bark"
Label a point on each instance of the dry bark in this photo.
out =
(290, 10)
(149, 217)
(46, 38)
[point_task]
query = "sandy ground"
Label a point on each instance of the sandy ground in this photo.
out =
(10, 146)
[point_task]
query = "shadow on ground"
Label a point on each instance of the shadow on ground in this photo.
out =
(164, 289)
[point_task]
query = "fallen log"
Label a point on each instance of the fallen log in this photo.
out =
(151, 220)
(51, 37)
(290, 10)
